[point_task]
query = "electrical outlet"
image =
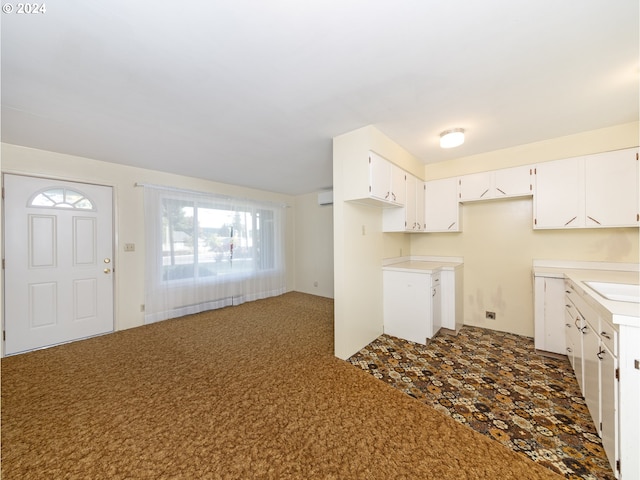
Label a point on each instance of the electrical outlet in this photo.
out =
(129, 247)
(315, 284)
(490, 315)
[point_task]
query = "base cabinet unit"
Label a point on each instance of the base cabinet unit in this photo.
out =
(549, 313)
(420, 298)
(441, 206)
(594, 343)
(629, 401)
(408, 305)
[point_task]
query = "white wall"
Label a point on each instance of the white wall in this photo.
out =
(313, 246)
(498, 243)
(129, 213)
(359, 244)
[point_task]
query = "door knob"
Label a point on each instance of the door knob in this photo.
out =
(107, 270)
(107, 260)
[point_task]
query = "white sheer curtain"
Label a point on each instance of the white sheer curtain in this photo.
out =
(205, 251)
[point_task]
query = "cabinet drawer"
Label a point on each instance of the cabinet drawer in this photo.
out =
(609, 336)
(581, 306)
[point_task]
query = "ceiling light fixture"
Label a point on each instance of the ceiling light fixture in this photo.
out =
(452, 138)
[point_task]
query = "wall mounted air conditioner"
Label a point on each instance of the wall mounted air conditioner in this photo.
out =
(325, 197)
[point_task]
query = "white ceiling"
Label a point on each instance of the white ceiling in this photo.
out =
(251, 92)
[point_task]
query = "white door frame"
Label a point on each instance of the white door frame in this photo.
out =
(114, 224)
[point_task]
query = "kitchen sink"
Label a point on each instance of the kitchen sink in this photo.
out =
(622, 292)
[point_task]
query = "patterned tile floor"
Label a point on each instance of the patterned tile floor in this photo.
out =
(495, 383)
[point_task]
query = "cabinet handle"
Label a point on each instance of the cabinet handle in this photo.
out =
(504, 193)
(568, 325)
(600, 354)
(591, 218)
(386, 196)
(394, 196)
(605, 335)
(569, 350)
(449, 227)
(484, 193)
(434, 293)
(570, 221)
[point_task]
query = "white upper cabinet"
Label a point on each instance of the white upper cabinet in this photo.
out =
(411, 217)
(556, 203)
(442, 210)
(594, 191)
(387, 181)
(476, 186)
(503, 183)
(375, 181)
(513, 182)
(611, 189)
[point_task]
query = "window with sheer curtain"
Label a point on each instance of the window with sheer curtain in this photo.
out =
(205, 251)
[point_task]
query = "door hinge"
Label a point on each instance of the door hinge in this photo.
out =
(636, 156)
(4, 335)
(369, 160)
(618, 465)
(618, 374)
(600, 427)
(3, 263)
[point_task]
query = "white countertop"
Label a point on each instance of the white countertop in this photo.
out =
(622, 313)
(421, 266)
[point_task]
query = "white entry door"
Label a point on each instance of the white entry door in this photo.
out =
(58, 262)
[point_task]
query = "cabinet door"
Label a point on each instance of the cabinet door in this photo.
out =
(611, 189)
(609, 404)
(476, 186)
(379, 177)
(591, 388)
(557, 198)
(398, 185)
(549, 315)
(420, 195)
(407, 305)
(441, 207)
(513, 182)
(410, 203)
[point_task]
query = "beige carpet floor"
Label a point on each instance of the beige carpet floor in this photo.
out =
(244, 392)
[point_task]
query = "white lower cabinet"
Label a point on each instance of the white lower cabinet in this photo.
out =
(592, 342)
(629, 402)
(417, 302)
(609, 404)
(408, 305)
(549, 313)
